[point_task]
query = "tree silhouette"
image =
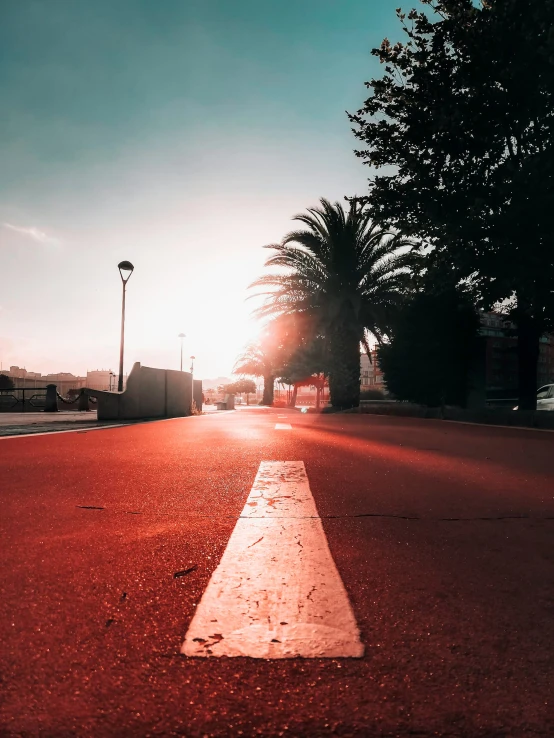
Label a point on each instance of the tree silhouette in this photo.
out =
(6, 382)
(434, 341)
(240, 387)
(259, 359)
(344, 276)
(461, 124)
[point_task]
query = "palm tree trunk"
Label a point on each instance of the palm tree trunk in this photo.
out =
(344, 375)
(269, 381)
(292, 402)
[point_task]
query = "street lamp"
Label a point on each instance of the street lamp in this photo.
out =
(181, 336)
(125, 271)
(192, 358)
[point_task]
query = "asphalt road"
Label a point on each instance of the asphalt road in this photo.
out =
(442, 534)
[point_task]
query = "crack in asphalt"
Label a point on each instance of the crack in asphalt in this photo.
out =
(390, 516)
(439, 520)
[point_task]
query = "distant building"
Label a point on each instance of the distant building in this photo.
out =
(16, 371)
(101, 379)
(64, 382)
(500, 360)
(371, 375)
(501, 354)
(24, 379)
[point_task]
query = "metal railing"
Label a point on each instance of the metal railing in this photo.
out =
(34, 399)
(501, 402)
(20, 399)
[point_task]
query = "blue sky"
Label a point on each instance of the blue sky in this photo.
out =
(181, 135)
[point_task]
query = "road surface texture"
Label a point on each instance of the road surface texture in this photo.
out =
(442, 535)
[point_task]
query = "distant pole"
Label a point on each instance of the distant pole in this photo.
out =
(181, 336)
(123, 266)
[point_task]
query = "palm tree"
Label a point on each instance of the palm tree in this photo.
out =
(346, 277)
(257, 361)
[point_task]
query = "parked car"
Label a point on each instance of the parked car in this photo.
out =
(545, 397)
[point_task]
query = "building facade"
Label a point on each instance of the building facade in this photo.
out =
(501, 354)
(500, 362)
(370, 372)
(99, 379)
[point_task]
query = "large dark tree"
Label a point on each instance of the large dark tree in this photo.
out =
(343, 276)
(6, 382)
(430, 355)
(462, 121)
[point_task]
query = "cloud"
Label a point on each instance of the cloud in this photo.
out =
(32, 232)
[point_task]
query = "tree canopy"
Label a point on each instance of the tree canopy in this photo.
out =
(263, 357)
(241, 386)
(429, 357)
(460, 128)
(6, 382)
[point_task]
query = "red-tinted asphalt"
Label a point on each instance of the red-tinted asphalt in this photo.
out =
(442, 533)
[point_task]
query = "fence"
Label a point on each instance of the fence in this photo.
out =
(40, 399)
(22, 399)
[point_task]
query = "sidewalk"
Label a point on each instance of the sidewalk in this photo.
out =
(17, 424)
(20, 424)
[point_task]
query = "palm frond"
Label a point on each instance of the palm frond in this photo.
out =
(340, 267)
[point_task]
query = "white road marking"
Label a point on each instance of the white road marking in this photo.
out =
(276, 592)
(283, 426)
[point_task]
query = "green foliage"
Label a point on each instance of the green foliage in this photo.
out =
(309, 358)
(428, 359)
(6, 382)
(307, 365)
(342, 276)
(241, 386)
(461, 127)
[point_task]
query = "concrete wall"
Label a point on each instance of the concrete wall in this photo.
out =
(150, 393)
(198, 394)
(178, 389)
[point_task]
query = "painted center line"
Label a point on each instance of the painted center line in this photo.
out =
(283, 426)
(276, 592)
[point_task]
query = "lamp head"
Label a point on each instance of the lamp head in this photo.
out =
(181, 335)
(125, 270)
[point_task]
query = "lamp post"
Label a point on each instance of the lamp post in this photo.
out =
(181, 336)
(192, 358)
(125, 267)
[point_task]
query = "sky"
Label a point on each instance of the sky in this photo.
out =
(181, 135)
